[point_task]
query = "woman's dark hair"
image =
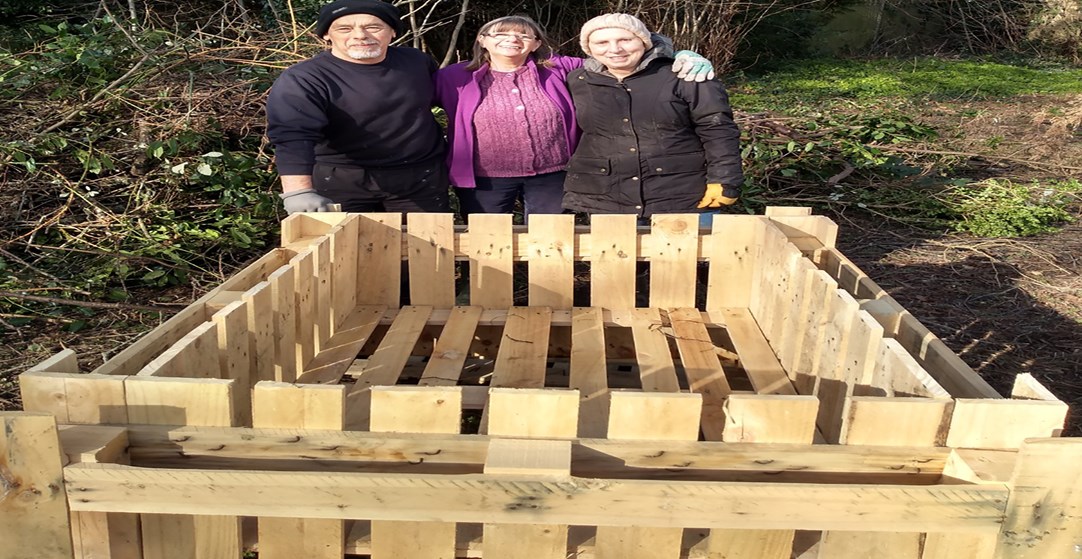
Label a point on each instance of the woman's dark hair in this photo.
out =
(517, 23)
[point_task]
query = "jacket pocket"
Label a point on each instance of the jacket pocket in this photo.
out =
(588, 175)
(676, 164)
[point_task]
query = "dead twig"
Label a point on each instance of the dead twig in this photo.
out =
(90, 304)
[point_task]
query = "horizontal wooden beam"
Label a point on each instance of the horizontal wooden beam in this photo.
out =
(242, 448)
(510, 499)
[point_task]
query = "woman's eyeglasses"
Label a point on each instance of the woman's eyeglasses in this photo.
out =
(510, 36)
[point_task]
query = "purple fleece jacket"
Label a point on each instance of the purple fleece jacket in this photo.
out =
(458, 91)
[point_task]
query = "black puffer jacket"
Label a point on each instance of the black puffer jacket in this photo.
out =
(651, 143)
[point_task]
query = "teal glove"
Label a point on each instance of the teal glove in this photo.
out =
(692, 67)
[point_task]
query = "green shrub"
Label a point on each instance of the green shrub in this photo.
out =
(1001, 208)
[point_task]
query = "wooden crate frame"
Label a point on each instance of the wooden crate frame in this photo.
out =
(821, 355)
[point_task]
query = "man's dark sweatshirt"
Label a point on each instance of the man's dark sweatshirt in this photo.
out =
(354, 115)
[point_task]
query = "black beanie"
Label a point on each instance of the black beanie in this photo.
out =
(387, 12)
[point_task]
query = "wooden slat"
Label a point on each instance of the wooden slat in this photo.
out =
(451, 349)
(808, 365)
(896, 373)
(288, 406)
(733, 255)
(323, 310)
(100, 534)
(588, 371)
(75, 398)
(656, 369)
(756, 358)
(305, 285)
(490, 257)
(181, 401)
(234, 353)
(529, 412)
(766, 418)
(551, 248)
(782, 303)
(342, 349)
(1003, 424)
(833, 385)
(861, 545)
(284, 301)
(259, 301)
(344, 271)
(63, 361)
(703, 369)
(673, 262)
(654, 416)
(545, 459)
(818, 227)
(769, 281)
(1044, 513)
(413, 409)
(522, 358)
(651, 416)
(385, 365)
(431, 241)
(379, 260)
(33, 503)
(612, 266)
(795, 326)
(195, 355)
(895, 421)
(138, 354)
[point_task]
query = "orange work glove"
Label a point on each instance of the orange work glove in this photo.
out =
(713, 198)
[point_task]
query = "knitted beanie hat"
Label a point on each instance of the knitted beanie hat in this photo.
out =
(386, 12)
(608, 21)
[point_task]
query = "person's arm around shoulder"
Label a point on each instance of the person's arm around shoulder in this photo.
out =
(712, 118)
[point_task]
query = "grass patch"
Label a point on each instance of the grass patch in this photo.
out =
(792, 83)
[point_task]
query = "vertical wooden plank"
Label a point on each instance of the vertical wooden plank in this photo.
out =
(809, 363)
(286, 406)
(522, 359)
(386, 363)
(703, 369)
(656, 368)
(284, 302)
(414, 409)
(762, 419)
(1003, 424)
(654, 416)
(452, 348)
(550, 251)
(33, 505)
(525, 412)
(733, 253)
(259, 301)
(1044, 511)
(769, 281)
(959, 546)
(491, 255)
(833, 386)
(305, 300)
(588, 370)
(765, 418)
(895, 421)
(674, 262)
(640, 542)
(195, 355)
(63, 361)
(861, 545)
(234, 354)
(379, 260)
(613, 246)
(182, 401)
(529, 413)
(344, 271)
(75, 398)
(324, 310)
(431, 244)
(794, 333)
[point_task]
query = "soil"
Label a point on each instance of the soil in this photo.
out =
(1006, 306)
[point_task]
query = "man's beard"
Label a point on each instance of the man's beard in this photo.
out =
(365, 53)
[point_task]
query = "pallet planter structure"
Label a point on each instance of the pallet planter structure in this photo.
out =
(300, 410)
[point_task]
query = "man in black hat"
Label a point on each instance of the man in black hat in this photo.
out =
(353, 125)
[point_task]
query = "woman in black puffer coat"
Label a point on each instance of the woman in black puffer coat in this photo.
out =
(651, 143)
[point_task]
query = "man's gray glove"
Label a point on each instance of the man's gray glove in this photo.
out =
(305, 200)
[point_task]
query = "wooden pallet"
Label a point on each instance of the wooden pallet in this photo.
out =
(536, 392)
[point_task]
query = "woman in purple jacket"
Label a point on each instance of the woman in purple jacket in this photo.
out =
(510, 119)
